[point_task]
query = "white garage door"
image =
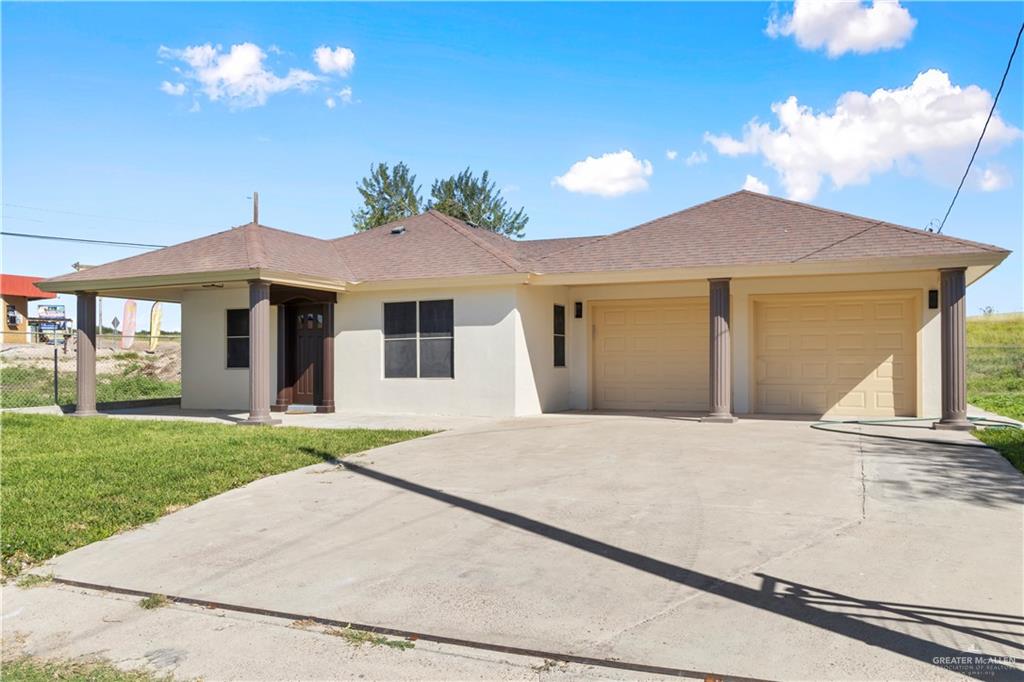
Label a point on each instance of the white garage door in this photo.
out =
(838, 355)
(651, 355)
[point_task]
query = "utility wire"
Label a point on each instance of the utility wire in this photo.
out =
(82, 241)
(991, 111)
(91, 215)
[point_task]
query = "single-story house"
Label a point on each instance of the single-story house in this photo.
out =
(744, 304)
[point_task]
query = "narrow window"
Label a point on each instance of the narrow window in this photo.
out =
(559, 336)
(399, 340)
(238, 338)
(437, 339)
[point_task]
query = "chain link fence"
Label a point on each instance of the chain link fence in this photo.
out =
(33, 375)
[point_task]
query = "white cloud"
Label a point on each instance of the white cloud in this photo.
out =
(865, 135)
(993, 179)
(174, 89)
(195, 107)
(842, 26)
(339, 60)
(237, 76)
(671, 154)
(344, 96)
(696, 158)
(609, 175)
(753, 184)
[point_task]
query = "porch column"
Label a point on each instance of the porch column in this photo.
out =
(720, 353)
(85, 354)
(952, 321)
(259, 353)
(327, 378)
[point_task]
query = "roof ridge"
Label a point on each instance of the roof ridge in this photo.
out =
(466, 232)
(635, 227)
(254, 246)
(580, 241)
(884, 223)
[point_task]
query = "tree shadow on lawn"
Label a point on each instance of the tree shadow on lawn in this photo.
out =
(801, 603)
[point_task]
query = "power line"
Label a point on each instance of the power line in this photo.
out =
(982, 136)
(51, 237)
(92, 215)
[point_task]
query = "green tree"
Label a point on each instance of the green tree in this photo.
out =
(477, 200)
(389, 194)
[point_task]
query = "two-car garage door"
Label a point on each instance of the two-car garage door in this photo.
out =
(833, 354)
(840, 355)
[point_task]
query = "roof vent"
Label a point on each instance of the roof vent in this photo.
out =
(398, 230)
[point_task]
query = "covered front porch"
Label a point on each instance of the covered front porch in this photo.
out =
(274, 341)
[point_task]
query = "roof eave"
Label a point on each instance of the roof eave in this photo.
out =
(111, 285)
(977, 264)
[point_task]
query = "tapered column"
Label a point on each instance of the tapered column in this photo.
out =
(327, 377)
(720, 353)
(952, 327)
(85, 354)
(259, 353)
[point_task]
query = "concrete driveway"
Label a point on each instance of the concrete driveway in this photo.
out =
(763, 548)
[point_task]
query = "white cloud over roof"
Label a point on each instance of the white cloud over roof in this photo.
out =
(864, 135)
(609, 175)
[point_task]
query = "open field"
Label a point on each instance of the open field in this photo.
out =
(995, 364)
(26, 372)
(995, 378)
(69, 482)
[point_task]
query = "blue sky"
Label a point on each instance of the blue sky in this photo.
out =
(523, 90)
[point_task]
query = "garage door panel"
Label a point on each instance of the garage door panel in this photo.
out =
(837, 355)
(659, 360)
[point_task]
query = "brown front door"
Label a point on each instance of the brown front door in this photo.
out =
(308, 334)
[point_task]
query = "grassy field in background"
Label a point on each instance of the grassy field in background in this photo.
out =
(69, 482)
(995, 365)
(995, 378)
(33, 387)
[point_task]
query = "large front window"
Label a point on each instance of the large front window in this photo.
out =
(419, 339)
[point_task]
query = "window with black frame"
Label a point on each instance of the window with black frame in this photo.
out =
(238, 338)
(559, 328)
(419, 340)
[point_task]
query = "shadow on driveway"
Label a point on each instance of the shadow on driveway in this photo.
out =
(837, 613)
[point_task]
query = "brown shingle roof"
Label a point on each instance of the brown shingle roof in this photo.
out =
(432, 245)
(249, 247)
(743, 228)
(746, 228)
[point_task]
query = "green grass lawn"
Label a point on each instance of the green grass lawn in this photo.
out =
(67, 482)
(995, 379)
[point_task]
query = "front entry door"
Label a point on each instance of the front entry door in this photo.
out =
(308, 336)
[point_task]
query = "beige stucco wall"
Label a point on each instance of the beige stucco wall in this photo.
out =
(503, 345)
(206, 381)
(485, 352)
(742, 326)
(540, 386)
